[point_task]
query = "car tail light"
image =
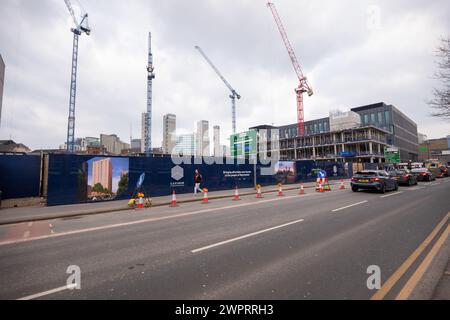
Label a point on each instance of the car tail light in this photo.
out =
(424, 174)
(376, 179)
(354, 179)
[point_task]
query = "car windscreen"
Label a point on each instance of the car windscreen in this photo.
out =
(419, 170)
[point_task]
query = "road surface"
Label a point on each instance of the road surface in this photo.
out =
(313, 246)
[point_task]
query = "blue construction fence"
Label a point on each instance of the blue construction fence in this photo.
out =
(20, 176)
(80, 179)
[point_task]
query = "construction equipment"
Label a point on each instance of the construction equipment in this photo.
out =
(234, 95)
(303, 86)
(80, 28)
(148, 115)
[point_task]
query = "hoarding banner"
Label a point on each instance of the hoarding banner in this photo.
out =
(392, 155)
(243, 144)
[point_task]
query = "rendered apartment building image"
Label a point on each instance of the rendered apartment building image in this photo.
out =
(102, 173)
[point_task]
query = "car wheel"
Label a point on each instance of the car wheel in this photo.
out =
(396, 187)
(354, 189)
(410, 183)
(383, 189)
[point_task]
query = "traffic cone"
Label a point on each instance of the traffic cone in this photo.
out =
(320, 187)
(342, 187)
(205, 198)
(258, 193)
(236, 195)
(302, 190)
(280, 191)
(140, 204)
(174, 200)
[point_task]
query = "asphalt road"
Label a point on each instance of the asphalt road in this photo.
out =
(315, 246)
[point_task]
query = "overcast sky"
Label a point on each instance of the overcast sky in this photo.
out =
(350, 57)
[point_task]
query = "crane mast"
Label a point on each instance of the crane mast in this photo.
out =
(80, 28)
(234, 95)
(148, 114)
(303, 86)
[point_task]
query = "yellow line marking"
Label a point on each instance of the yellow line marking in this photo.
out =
(418, 274)
(387, 286)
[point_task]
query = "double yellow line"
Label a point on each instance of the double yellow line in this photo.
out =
(406, 291)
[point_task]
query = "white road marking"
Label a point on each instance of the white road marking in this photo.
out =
(26, 235)
(153, 219)
(392, 194)
(416, 188)
(30, 224)
(46, 293)
(246, 236)
(349, 206)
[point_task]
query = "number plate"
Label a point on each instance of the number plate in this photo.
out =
(363, 180)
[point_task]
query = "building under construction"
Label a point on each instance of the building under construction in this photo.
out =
(357, 136)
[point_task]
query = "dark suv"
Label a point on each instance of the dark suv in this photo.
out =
(378, 180)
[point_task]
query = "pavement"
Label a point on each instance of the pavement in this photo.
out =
(312, 246)
(38, 213)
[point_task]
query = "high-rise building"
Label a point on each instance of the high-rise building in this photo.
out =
(102, 173)
(2, 82)
(136, 144)
(202, 139)
(113, 144)
(169, 133)
(218, 151)
(185, 144)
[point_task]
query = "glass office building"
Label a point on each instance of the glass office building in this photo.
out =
(402, 130)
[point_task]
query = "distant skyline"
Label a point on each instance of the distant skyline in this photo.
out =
(354, 54)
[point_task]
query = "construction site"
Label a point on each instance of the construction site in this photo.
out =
(324, 189)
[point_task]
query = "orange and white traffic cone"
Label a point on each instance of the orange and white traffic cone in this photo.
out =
(320, 187)
(258, 193)
(140, 204)
(174, 200)
(302, 190)
(280, 191)
(205, 198)
(236, 195)
(342, 187)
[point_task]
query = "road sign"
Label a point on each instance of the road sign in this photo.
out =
(243, 144)
(392, 155)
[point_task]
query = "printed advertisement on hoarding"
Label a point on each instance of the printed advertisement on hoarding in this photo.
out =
(107, 178)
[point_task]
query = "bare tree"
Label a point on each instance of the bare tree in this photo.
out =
(441, 100)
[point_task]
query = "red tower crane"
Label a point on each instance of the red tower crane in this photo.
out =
(303, 83)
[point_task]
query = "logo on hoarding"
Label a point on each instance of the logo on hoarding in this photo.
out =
(177, 173)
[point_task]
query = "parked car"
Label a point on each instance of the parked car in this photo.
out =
(436, 169)
(444, 172)
(423, 174)
(404, 177)
(378, 180)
